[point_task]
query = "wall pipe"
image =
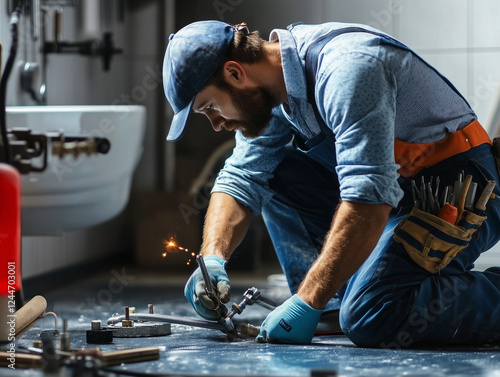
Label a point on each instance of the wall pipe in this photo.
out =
(14, 21)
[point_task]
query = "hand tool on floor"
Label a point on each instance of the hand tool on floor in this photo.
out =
(250, 297)
(132, 355)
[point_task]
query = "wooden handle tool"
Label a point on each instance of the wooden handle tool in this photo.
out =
(110, 358)
(485, 196)
(33, 309)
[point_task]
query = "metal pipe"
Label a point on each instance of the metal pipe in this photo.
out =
(35, 20)
(169, 318)
(14, 21)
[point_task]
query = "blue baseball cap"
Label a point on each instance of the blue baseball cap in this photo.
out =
(193, 55)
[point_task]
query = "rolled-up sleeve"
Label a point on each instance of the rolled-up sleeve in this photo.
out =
(246, 173)
(357, 96)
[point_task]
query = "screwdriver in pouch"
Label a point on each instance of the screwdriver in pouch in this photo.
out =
(463, 195)
(469, 200)
(448, 213)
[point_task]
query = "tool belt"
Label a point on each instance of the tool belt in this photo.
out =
(430, 236)
(432, 242)
(413, 157)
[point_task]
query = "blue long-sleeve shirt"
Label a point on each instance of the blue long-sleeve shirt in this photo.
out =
(368, 94)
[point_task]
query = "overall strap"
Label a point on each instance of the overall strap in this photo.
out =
(311, 62)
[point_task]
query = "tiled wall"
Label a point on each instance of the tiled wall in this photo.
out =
(77, 79)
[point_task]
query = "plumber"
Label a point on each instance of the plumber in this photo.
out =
(349, 145)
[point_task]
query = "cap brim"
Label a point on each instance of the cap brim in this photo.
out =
(179, 121)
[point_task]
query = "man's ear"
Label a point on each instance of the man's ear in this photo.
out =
(235, 74)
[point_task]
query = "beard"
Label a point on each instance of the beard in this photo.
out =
(255, 106)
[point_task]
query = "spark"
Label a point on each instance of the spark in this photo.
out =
(171, 246)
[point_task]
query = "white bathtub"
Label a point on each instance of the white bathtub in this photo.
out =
(75, 193)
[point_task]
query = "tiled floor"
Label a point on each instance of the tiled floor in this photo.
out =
(201, 352)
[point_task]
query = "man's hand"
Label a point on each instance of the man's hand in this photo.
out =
(196, 293)
(294, 321)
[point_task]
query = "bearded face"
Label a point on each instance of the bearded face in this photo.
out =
(255, 107)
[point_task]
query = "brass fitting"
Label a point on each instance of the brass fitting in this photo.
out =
(127, 322)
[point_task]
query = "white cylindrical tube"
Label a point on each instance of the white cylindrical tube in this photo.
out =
(90, 19)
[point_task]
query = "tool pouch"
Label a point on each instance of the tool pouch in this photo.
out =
(432, 242)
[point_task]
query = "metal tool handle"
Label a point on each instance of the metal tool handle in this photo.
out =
(266, 303)
(463, 195)
(204, 271)
(251, 296)
(209, 288)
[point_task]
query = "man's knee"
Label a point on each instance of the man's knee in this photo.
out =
(375, 324)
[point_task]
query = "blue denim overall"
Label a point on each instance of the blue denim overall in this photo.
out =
(390, 301)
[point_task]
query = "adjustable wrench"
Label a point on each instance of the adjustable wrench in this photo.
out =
(250, 297)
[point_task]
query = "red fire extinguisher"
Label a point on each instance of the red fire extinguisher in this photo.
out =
(10, 232)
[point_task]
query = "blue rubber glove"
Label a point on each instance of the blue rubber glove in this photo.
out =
(195, 288)
(294, 321)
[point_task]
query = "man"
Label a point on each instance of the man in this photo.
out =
(380, 132)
